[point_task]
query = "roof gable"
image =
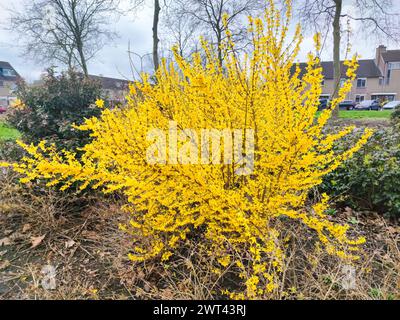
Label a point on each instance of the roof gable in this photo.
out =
(6, 65)
(366, 69)
(391, 56)
(111, 83)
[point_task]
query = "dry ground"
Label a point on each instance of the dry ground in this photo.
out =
(80, 238)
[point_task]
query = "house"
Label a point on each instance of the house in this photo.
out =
(8, 83)
(114, 89)
(377, 79)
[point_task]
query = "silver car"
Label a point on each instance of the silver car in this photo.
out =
(368, 105)
(391, 105)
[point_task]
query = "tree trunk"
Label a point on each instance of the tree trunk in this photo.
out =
(82, 59)
(219, 44)
(156, 19)
(70, 54)
(336, 53)
(77, 31)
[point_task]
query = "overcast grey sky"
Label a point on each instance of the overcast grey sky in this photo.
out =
(113, 59)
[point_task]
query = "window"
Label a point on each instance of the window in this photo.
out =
(381, 81)
(389, 73)
(3, 102)
(8, 72)
(394, 65)
(342, 82)
(361, 83)
(360, 98)
(323, 82)
(1, 84)
(383, 97)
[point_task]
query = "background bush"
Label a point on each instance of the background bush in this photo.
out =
(10, 150)
(47, 112)
(396, 116)
(371, 179)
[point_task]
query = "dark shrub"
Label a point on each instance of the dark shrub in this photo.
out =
(396, 116)
(9, 150)
(48, 111)
(371, 179)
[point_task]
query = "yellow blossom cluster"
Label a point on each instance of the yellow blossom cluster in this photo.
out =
(18, 105)
(263, 90)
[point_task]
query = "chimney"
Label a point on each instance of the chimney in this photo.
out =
(378, 58)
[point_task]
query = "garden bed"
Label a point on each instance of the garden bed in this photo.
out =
(40, 229)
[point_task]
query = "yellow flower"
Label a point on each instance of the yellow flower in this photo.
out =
(100, 103)
(18, 105)
(225, 261)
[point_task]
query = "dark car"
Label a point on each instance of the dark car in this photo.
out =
(368, 105)
(347, 105)
(323, 104)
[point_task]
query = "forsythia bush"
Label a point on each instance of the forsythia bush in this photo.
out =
(257, 91)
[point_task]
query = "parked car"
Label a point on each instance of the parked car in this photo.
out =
(347, 105)
(391, 105)
(5, 102)
(368, 105)
(323, 104)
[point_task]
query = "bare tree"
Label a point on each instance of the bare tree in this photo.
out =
(374, 16)
(180, 31)
(137, 4)
(156, 40)
(183, 18)
(208, 15)
(70, 32)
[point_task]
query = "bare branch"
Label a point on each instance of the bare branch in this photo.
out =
(70, 32)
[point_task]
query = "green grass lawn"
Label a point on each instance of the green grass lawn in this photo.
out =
(353, 114)
(7, 133)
